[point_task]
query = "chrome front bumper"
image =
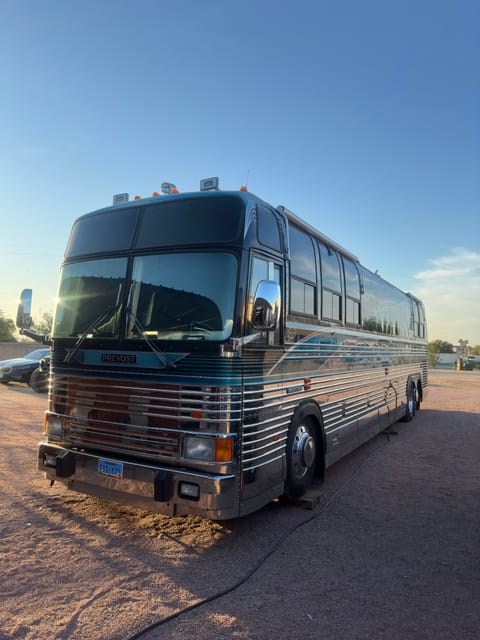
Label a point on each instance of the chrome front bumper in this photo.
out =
(163, 490)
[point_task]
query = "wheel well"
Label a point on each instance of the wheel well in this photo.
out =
(312, 411)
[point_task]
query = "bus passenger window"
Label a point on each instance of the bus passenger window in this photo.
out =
(331, 284)
(352, 292)
(421, 325)
(303, 273)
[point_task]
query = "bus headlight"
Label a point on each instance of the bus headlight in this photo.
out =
(53, 426)
(196, 448)
(207, 449)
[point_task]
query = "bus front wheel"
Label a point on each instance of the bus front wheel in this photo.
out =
(302, 455)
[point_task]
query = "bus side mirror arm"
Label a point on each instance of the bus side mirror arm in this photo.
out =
(38, 337)
(234, 345)
(265, 316)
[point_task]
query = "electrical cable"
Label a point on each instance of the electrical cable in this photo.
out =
(263, 559)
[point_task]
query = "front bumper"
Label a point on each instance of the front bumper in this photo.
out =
(164, 490)
(15, 375)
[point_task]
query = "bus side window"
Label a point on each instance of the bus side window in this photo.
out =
(352, 292)
(415, 319)
(267, 228)
(262, 269)
(421, 321)
(331, 284)
(303, 274)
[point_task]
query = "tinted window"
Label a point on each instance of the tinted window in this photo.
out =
(331, 305)
(268, 228)
(330, 269)
(183, 296)
(302, 256)
(352, 292)
(199, 220)
(261, 269)
(385, 309)
(331, 284)
(87, 291)
(108, 231)
(352, 315)
(421, 315)
(352, 280)
(302, 297)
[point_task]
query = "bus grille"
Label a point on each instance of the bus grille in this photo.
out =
(138, 419)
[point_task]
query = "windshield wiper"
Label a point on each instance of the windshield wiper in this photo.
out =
(160, 355)
(101, 318)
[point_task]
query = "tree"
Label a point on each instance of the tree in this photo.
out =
(44, 325)
(464, 348)
(7, 329)
(441, 346)
(435, 348)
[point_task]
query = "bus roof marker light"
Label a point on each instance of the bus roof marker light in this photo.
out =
(209, 184)
(120, 198)
(243, 187)
(167, 188)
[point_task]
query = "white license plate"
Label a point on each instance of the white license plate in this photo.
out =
(110, 469)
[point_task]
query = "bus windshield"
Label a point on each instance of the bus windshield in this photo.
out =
(172, 296)
(88, 290)
(183, 296)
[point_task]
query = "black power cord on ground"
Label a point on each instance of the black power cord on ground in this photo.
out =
(262, 560)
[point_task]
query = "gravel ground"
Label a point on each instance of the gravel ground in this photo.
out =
(392, 552)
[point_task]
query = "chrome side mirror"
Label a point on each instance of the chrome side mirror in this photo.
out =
(266, 306)
(24, 310)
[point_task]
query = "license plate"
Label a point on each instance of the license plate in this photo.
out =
(110, 469)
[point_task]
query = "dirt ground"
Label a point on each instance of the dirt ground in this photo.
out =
(392, 552)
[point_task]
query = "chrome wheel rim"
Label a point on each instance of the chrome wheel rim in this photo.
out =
(303, 453)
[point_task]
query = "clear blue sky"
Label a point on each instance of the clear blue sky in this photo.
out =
(361, 117)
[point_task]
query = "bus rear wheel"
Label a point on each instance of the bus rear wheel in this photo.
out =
(302, 455)
(411, 403)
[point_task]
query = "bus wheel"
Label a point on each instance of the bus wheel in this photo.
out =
(411, 403)
(419, 396)
(38, 382)
(302, 453)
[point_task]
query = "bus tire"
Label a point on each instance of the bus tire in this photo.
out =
(302, 455)
(411, 402)
(38, 381)
(419, 395)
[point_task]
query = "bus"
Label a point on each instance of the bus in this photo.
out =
(211, 352)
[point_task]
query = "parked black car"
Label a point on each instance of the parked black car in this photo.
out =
(39, 378)
(20, 369)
